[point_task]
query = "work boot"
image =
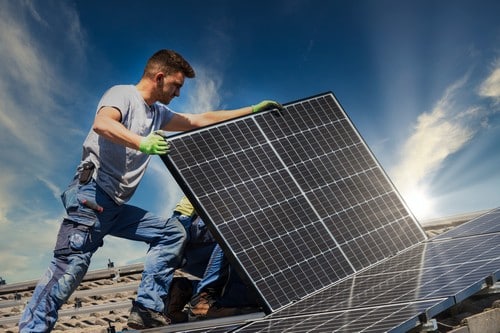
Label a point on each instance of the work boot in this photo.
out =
(180, 293)
(205, 306)
(199, 305)
(217, 311)
(141, 317)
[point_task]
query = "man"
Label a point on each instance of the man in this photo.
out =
(220, 292)
(115, 156)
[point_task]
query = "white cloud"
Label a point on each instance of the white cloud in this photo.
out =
(35, 126)
(56, 191)
(437, 135)
(25, 250)
(7, 181)
(120, 251)
(443, 131)
(30, 81)
(204, 95)
(491, 86)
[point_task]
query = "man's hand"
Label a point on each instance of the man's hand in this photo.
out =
(267, 105)
(154, 144)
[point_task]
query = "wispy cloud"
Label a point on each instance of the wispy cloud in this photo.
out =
(35, 126)
(56, 190)
(30, 79)
(204, 96)
(25, 251)
(491, 86)
(438, 134)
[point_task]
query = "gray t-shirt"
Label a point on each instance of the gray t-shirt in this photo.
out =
(119, 169)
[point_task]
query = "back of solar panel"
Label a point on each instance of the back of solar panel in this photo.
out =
(296, 199)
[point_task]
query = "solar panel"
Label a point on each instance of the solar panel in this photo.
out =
(297, 200)
(454, 269)
(486, 223)
(395, 295)
(389, 318)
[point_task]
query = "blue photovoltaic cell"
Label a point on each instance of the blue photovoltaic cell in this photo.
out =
(486, 223)
(297, 200)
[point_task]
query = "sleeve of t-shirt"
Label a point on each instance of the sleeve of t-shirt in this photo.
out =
(165, 113)
(117, 97)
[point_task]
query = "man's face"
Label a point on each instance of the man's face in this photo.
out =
(170, 87)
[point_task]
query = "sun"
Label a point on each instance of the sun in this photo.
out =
(419, 202)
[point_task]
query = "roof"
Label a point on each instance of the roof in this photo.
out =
(103, 300)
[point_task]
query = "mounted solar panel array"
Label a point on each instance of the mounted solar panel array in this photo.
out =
(400, 293)
(296, 199)
(388, 318)
(486, 223)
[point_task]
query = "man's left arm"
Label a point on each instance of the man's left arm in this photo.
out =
(188, 121)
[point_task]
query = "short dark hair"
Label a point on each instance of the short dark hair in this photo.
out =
(169, 62)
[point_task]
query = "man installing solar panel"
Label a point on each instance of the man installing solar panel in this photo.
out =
(127, 131)
(220, 292)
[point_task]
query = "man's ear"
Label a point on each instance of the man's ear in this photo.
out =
(159, 78)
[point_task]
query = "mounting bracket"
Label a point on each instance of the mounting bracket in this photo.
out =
(429, 326)
(491, 286)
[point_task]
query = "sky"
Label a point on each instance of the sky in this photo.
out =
(420, 80)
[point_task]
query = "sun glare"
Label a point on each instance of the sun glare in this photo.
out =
(419, 203)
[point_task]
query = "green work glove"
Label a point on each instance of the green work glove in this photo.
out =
(267, 105)
(154, 144)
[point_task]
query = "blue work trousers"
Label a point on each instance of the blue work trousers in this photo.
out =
(81, 234)
(204, 258)
(216, 270)
(222, 277)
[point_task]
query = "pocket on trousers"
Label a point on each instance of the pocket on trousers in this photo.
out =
(69, 198)
(73, 199)
(72, 238)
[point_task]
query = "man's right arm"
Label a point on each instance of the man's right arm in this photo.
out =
(107, 124)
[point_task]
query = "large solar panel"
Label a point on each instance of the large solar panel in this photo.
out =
(303, 209)
(297, 200)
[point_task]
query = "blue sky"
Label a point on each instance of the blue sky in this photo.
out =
(419, 79)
